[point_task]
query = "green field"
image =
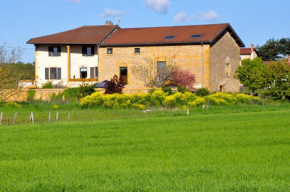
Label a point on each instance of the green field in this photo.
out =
(163, 151)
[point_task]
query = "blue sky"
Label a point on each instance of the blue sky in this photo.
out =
(255, 21)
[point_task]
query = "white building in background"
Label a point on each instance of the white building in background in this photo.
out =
(248, 53)
(69, 58)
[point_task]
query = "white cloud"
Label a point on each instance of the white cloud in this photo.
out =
(74, 1)
(181, 17)
(111, 13)
(159, 6)
(209, 16)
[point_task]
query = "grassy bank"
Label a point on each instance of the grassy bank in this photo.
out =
(210, 150)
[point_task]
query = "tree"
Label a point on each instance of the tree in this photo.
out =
(183, 78)
(278, 80)
(150, 75)
(9, 75)
(275, 49)
(115, 85)
(252, 74)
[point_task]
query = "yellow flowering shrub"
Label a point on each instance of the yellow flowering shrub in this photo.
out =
(197, 102)
(159, 98)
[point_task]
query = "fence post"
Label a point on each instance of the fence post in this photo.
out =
(68, 117)
(56, 116)
(15, 116)
(187, 112)
(49, 117)
(32, 118)
(1, 117)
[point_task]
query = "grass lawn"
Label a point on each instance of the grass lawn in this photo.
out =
(206, 151)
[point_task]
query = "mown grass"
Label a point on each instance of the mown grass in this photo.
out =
(206, 151)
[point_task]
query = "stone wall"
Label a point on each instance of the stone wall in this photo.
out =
(189, 57)
(225, 52)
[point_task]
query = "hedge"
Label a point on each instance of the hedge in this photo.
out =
(161, 99)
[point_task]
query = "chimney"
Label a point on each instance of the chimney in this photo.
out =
(252, 48)
(108, 23)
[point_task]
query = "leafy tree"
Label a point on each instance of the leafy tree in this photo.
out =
(9, 74)
(278, 80)
(252, 74)
(275, 49)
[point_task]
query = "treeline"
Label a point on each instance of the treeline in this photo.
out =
(22, 71)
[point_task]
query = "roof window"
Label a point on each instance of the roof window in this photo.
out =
(169, 37)
(195, 36)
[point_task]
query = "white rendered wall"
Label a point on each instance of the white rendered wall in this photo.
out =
(43, 60)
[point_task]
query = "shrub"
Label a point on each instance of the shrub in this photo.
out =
(55, 107)
(72, 94)
(86, 89)
(167, 89)
(202, 92)
(157, 98)
(115, 85)
(198, 102)
(182, 89)
(47, 85)
(12, 104)
(30, 95)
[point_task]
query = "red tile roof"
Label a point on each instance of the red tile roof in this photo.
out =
(81, 35)
(245, 51)
(182, 35)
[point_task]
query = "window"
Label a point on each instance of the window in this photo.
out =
(221, 88)
(137, 50)
(88, 51)
(228, 70)
(94, 73)
(195, 36)
(83, 73)
(52, 73)
(54, 51)
(124, 74)
(109, 51)
(160, 66)
(169, 37)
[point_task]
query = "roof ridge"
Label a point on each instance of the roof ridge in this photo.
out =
(71, 30)
(175, 26)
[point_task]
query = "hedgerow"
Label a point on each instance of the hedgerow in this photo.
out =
(159, 98)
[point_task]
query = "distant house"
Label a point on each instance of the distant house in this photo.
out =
(91, 53)
(249, 53)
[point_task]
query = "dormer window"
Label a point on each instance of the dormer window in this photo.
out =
(169, 37)
(195, 36)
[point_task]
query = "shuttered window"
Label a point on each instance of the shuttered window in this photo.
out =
(88, 50)
(52, 73)
(94, 72)
(54, 51)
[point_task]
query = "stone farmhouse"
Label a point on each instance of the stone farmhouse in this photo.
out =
(96, 53)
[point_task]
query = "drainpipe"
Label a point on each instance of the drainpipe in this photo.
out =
(202, 69)
(68, 63)
(98, 62)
